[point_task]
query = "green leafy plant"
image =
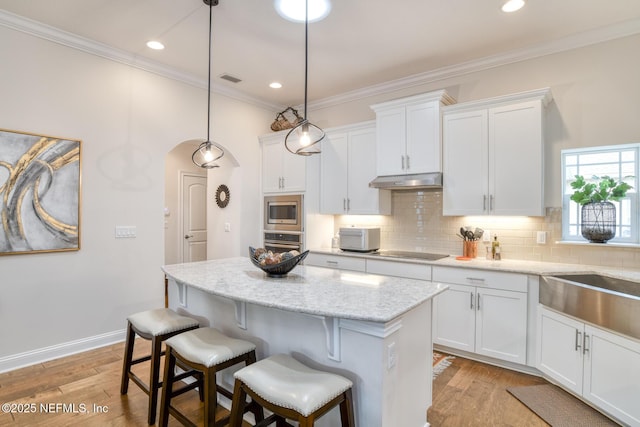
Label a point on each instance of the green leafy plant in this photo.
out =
(599, 189)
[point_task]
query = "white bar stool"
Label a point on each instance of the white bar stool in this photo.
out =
(154, 325)
(205, 352)
(291, 391)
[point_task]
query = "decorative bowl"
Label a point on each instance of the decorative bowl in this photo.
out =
(277, 270)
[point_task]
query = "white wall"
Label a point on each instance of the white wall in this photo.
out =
(128, 120)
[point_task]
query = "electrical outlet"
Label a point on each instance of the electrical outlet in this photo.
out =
(391, 355)
(486, 236)
(541, 237)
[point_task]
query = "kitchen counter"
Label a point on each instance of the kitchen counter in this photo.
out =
(539, 268)
(374, 330)
(309, 290)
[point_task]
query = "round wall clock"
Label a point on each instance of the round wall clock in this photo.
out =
(222, 196)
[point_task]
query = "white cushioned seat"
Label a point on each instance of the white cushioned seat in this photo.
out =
(160, 321)
(283, 381)
(208, 346)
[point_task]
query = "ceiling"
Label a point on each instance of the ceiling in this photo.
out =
(362, 43)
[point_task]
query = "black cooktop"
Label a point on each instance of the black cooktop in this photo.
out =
(414, 255)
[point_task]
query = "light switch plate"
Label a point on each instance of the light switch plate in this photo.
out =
(541, 237)
(125, 231)
(486, 236)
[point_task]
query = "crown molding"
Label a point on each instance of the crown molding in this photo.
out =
(38, 29)
(47, 32)
(600, 35)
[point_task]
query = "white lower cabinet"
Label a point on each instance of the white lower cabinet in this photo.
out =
(600, 366)
(339, 262)
(399, 269)
(374, 266)
(482, 312)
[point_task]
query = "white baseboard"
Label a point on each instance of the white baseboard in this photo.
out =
(20, 360)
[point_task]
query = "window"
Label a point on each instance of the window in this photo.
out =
(620, 162)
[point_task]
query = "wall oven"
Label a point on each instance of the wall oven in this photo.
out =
(282, 241)
(284, 223)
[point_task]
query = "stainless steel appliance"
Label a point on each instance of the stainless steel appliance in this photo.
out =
(408, 182)
(360, 239)
(283, 241)
(284, 212)
(284, 222)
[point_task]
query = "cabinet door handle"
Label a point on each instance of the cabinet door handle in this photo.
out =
(478, 303)
(484, 202)
(578, 340)
(344, 205)
(585, 344)
(471, 300)
(332, 262)
(408, 162)
(348, 204)
(491, 202)
(475, 279)
(402, 160)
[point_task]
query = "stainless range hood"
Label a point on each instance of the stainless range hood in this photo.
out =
(408, 182)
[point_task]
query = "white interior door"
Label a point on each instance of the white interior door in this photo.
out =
(194, 218)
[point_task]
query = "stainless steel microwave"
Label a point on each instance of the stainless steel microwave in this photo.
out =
(284, 212)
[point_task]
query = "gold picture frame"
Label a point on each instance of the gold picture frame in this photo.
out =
(40, 192)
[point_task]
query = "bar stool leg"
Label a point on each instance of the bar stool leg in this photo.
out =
(154, 384)
(210, 397)
(128, 357)
(237, 404)
(346, 410)
(165, 402)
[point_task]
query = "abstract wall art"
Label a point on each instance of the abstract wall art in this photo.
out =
(40, 190)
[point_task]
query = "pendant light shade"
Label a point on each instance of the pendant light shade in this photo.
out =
(304, 139)
(207, 154)
(208, 151)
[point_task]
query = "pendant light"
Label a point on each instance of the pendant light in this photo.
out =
(208, 152)
(304, 138)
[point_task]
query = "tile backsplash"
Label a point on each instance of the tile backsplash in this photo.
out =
(417, 224)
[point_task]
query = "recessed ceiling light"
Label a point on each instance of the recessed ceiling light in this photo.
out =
(155, 45)
(512, 5)
(293, 10)
(275, 85)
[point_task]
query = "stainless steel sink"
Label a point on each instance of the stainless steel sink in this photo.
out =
(605, 301)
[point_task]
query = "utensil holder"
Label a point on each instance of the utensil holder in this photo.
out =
(470, 248)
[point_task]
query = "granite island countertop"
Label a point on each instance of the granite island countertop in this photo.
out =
(540, 268)
(306, 289)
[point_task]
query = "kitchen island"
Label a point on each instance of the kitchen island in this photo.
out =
(374, 330)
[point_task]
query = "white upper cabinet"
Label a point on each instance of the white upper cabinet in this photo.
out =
(347, 165)
(493, 153)
(282, 172)
(409, 134)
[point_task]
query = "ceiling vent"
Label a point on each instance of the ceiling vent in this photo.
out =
(230, 78)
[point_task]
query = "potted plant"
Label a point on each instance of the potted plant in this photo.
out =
(598, 213)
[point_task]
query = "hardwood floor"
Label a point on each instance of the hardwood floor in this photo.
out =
(470, 393)
(91, 379)
(467, 393)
